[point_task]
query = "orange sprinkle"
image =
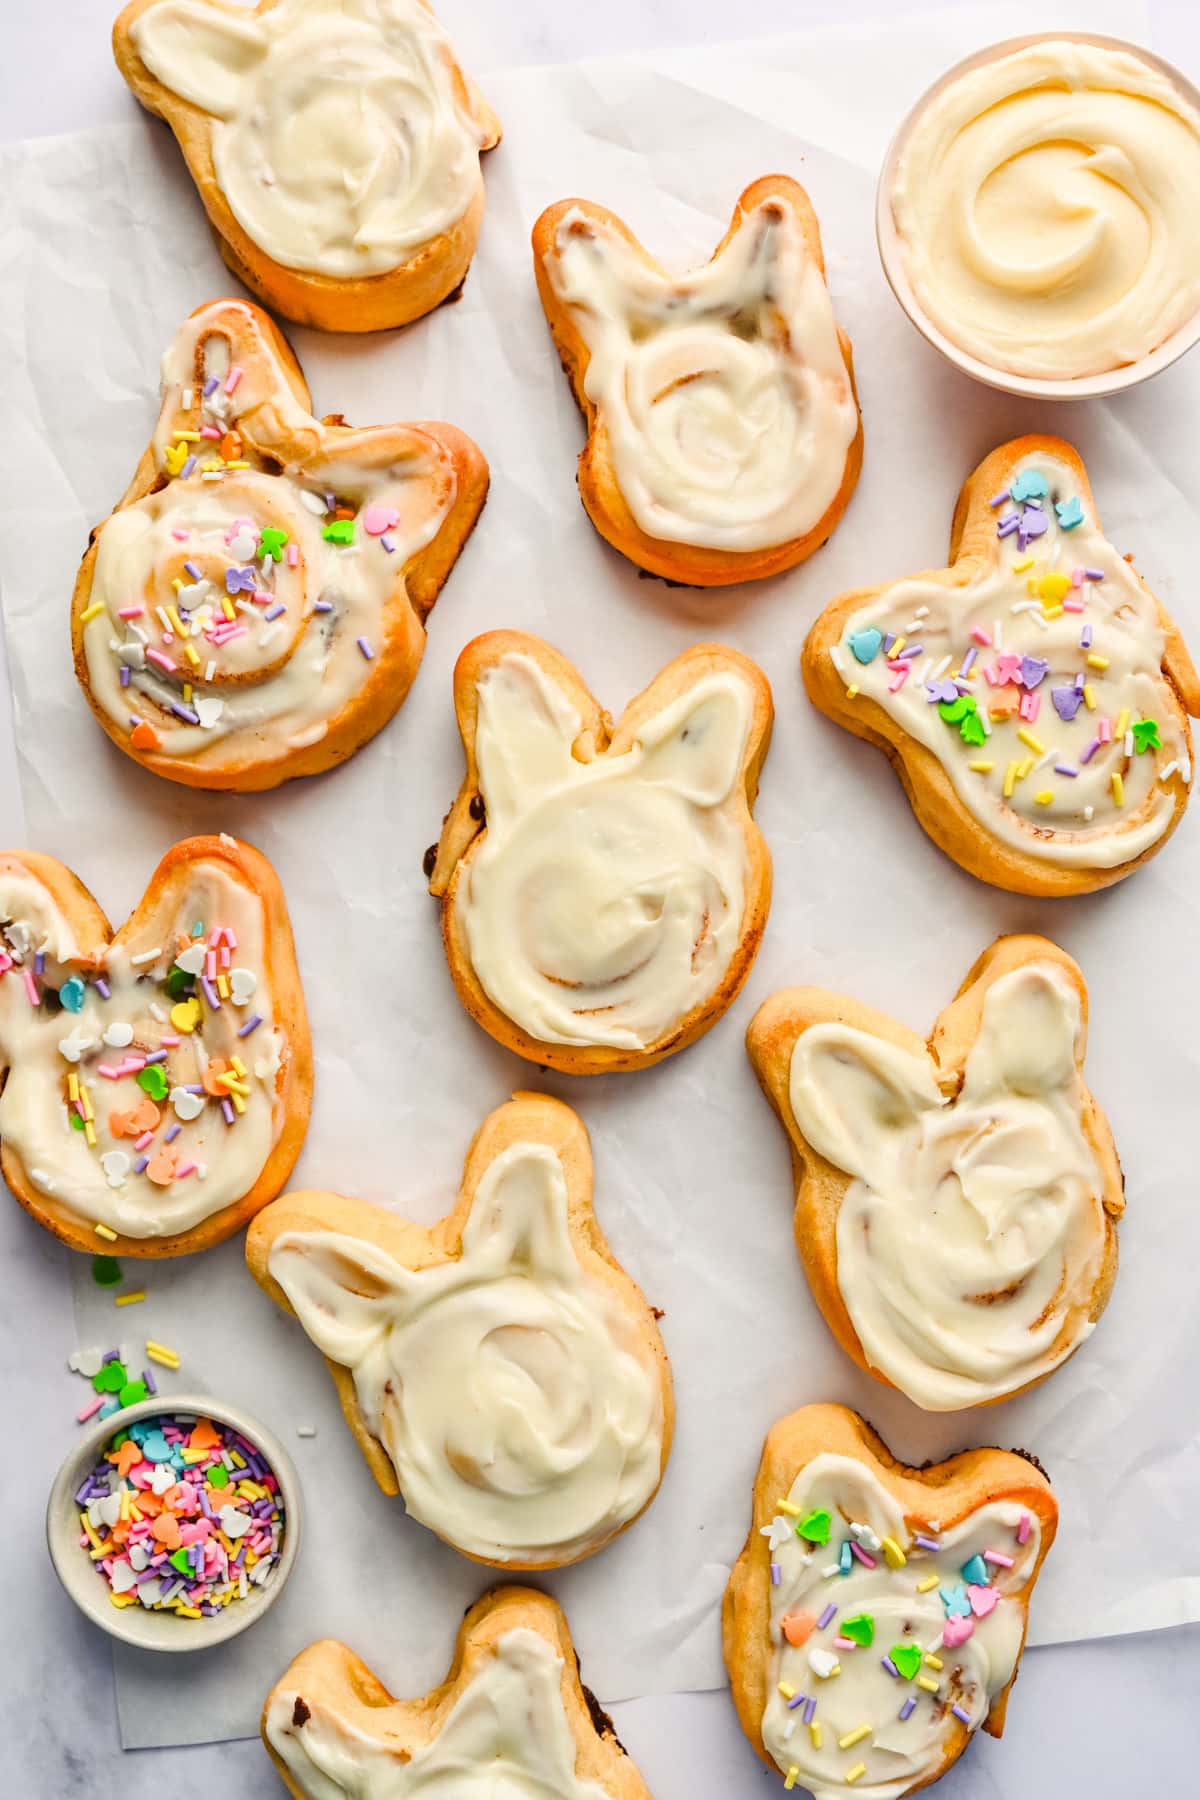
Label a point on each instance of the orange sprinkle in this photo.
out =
(144, 737)
(797, 1627)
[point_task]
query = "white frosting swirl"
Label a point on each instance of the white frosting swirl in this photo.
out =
(238, 676)
(1045, 204)
(1080, 783)
(971, 1237)
(605, 901)
(343, 139)
(509, 1388)
(506, 1737)
(898, 1754)
(724, 394)
(194, 1162)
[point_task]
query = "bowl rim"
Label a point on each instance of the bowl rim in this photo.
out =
(67, 1557)
(892, 257)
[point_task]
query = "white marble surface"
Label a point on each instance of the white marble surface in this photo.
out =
(1103, 1720)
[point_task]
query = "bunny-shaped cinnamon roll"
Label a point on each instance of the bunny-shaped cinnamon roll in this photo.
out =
(254, 608)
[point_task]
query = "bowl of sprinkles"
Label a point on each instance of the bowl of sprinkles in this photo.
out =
(175, 1525)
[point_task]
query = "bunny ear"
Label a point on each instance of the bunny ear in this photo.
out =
(695, 747)
(342, 1289)
(214, 47)
(519, 1212)
(848, 1087)
(526, 726)
(1028, 1034)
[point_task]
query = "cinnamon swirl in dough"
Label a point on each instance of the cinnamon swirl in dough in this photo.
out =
(956, 1201)
(335, 145)
(254, 608)
(604, 889)
(501, 1370)
(156, 1081)
(724, 438)
(876, 1617)
(510, 1722)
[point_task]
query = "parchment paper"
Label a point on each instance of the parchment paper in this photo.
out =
(102, 253)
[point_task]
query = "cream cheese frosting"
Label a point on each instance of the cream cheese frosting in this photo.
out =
(724, 394)
(1045, 204)
(972, 1235)
(1038, 684)
(508, 1386)
(506, 1737)
(605, 901)
(343, 137)
(238, 608)
(854, 1642)
(114, 1099)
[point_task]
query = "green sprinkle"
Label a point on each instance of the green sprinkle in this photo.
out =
(178, 1559)
(1145, 735)
(106, 1271)
(954, 710)
(111, 1378)
(179, 983)
(861, 1628)
(132, 1392)
(153, 1081)
(971, 729)
(816, 1527)
(75, 1121)
(217, 1476)
(339, 531)
(271, 541)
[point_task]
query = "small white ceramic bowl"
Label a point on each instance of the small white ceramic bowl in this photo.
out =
(891, 248)
(87, 1587)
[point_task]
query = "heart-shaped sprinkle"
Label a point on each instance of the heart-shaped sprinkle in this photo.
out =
(822, 1662)
(71, 994)
(797, 1627)
(983, 1599)
(185, 1015)
(187, 1106)
(864, 645)
(153, 1081)
(115, 1164)
(957, 1630)
(234, 1524)
(133, 1120)
(1030, 484)
(815, 1527)
(179, 1559)
(861, 1627)
(243, 984)
(209, 708)
(907, 1658)
(191, 960)
(119, 1034)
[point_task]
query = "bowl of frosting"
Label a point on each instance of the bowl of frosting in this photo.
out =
(1036, 215)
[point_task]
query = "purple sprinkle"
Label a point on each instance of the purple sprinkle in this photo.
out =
(194, 1087)
(388, 542)
(227, 1109)
(1093, 574)
(927, 1543)
(890, 1666)
(774, 1574)
(151, 1384)
(194, 570)
(1066, 701)
(173, 1131)
(960, 1712)
(330, 502)
(908, 1707)
(366, 649)
(211, 385)
(248, 1027)
(140, 1164)
(1034, 670)
(1090, 751)
(810, 1707)
(1007, 526)
(968, 661)
(185, 713)
(1085, 637)
(111, 1355)
(797, 1700)
(1001, 497)
(1065, 769)
(134, 719)
(323, 606)
(83, 1492)
(102, 988)
(188, 466)
(210, 994)
(888, 641)
(124, 675)
(274, 612)
(912, 651)
(941, 690)
(157, 1056)
(829, 1613)
(39, 963)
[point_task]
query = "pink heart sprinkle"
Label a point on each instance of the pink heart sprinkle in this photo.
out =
(378, 519)
(983, 1600)
(956, 1630)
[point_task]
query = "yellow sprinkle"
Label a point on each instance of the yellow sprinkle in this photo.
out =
(187, 693)
(127, 1600)
(896, 648)
(1118, 788)
(131, 1299)
(791, 1777)
(789, 1511)
(238, 463)
(1023, 767)
(930, 1581)
(105, 1231)
(154, 1348)
(836, 1670)
(85, 1100)
(177, 624)
(239, 1105)
(1122, 722)
(787, 1690)
(90, 1529)
(185, 1612)
(227, 607)
(186, 437)
(231, 1084)
(223, 986)
(1044, 796)
(928, 1683)
(73, 1086)
(852, 690)
(1010, 779)
(1051, 612)
(980, 768)
(1097, 662)
(89, 1132)
(854, 1737)
(934, 1662)
(124, 1512)
(160, 1356)
(177, 582)
(1031, 586)
(189, 650)
(814, 1731)
(239, 1069)
(1020, 567)
(239, 1461)
(895, 1556)
(1031, 741)
(1053, 586)
(1089, 696)
(91, 612)
(856, 1773)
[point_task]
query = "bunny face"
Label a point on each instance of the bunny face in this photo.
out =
(244, 615)
(923, 1623)
(724, 396)
(511, 1388)
(343, 137)
(1044, 680)
(972, 1236)
(609, 898)
(160, 1080)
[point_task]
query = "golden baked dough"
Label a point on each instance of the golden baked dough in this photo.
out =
(729, 404)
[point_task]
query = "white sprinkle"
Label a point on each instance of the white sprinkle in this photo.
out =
(1168, 771)
(1185, 770)
(1089, 812)
(1129, 743)
(985, 722)
(306, 1431)
(157, 1012)
(145, 956)
(314, 502)
(1049, 757)
(186, 398)
(210, 670)
(939, 669)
